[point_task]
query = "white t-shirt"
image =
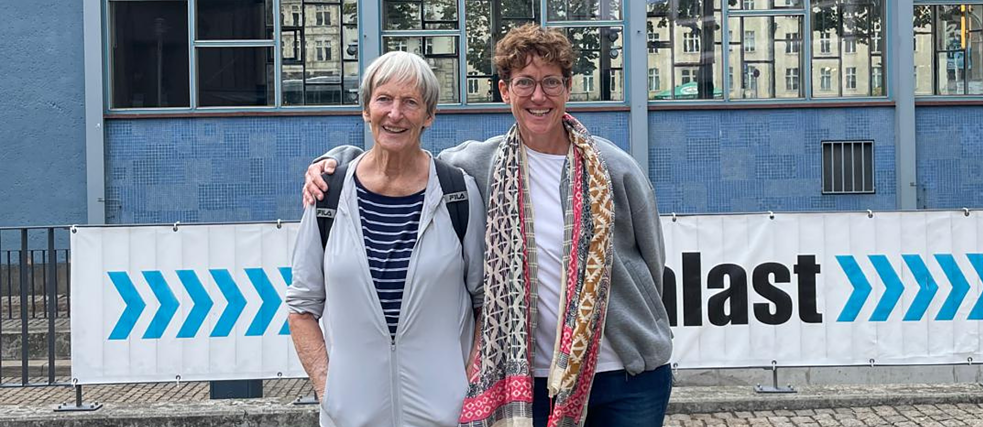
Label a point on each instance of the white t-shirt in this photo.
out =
(545, 171)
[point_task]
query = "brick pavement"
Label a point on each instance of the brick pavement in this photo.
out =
(941, 405)
(185, 392)
(941, 415)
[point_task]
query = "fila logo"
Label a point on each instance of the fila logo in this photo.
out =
(325, 213)
(460, 196)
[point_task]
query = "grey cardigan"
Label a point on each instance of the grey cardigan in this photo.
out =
(637, 325)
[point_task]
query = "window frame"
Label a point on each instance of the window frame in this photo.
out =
(807, 52)
(933, 48)
(275, 44)
(375, 35)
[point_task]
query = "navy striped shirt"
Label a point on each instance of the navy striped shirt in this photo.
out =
(389, 226)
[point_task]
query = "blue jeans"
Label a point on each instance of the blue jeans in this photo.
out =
(617, 399)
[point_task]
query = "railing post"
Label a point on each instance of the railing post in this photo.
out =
(52, 289)
(23, 306)
(774, 388)
(79, 406)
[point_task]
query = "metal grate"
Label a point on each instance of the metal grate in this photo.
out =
(848, 167)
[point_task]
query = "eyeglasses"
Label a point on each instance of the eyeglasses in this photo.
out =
(525, 86)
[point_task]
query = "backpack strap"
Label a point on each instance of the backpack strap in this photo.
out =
(327, 208)
(455, 196)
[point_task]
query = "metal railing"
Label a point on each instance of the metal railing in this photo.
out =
(34, 294)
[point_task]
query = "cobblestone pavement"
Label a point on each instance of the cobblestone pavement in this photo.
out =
(944, 415)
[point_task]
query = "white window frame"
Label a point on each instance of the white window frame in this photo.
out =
(850, 78)
(749, 43)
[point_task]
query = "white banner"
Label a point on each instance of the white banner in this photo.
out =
(825, 289)
(205, 302)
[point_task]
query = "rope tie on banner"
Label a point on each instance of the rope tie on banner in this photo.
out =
(966, 211)
(771, 215)
(175, 226)
(871, 363)
(75, 382)
(279, 224)
(675, 369)
(870, 213)
(75, 228)
(177, 378)
(969, 360)
(279, 375)
(673, 217)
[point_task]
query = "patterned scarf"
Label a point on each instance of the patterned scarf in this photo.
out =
(501, 386)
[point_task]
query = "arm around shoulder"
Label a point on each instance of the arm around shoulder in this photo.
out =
(474, 244)
(342, 154)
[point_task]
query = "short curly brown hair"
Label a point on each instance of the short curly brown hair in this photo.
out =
(515, 50)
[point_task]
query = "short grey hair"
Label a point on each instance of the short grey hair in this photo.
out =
(401, 66)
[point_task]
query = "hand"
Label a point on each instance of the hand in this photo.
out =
(314, 185)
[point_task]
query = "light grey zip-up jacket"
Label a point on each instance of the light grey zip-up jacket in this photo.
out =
(418, 379)
(637, 325)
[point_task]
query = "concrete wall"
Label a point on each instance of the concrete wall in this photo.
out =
(42, 160)
(761, 160)
(949, 157)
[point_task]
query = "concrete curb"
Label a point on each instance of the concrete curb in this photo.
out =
(279, 412)
(245, 413)
(690, 400)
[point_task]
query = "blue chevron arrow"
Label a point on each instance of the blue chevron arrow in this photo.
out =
(202, 304)
(134, 305)
(168, 304)
(271, 302)
(977, 261)
(236, 303)
(861, 288)
(959, 287)
(893, 288)
(288, 275)
(926, 287)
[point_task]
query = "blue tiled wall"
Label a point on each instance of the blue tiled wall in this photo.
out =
(949, 157)
(251, 169)
(760, 160)
(215, 169)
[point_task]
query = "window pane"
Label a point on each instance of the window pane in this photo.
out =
(599, 56)
(487, 22)
(149, 54)
(234, 19)
(958, 45)
(764, 4)
(848, 46)
(235, 76)
(684, 51)
(766, 52)
(923, 25)
(320, 54)
(974, 49)
(440, 53)
(583, 10)
(420, 15)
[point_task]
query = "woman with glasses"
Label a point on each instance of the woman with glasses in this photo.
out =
(574, 331)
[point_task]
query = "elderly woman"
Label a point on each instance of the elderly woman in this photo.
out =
(577, 219)
(394, 284)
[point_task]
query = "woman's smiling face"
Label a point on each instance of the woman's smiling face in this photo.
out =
(398, 115)
(538, 114)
